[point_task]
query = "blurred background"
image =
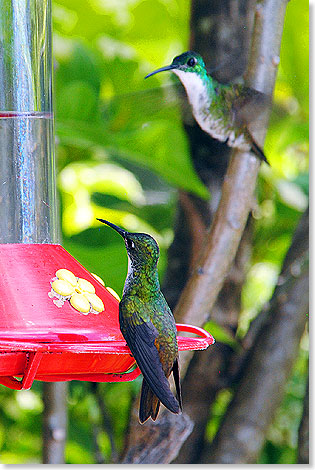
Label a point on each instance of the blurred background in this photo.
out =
(123, 154)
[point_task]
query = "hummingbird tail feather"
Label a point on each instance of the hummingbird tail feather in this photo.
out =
(149, 403)
(258, 151)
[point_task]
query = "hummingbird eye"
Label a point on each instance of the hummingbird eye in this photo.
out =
(191, 62)
(130, 243)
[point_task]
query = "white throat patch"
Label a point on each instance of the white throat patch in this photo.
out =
(196, 90)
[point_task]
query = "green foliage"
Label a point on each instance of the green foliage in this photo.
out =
(20, 425)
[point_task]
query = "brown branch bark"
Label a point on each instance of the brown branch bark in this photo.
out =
(242, 433)
(156, 442)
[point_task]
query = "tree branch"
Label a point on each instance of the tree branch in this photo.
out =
(230, 26)
(222, 242)
(157, 442)
(242, 433)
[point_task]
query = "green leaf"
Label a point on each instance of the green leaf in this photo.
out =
(83, 64)
(160, 146)
(157, 41)
(77, 100)
(159, 216)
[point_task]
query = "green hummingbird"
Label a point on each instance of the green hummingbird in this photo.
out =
(223, 111)
(148, 325)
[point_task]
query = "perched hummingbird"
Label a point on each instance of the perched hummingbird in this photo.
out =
(223, 111)
(148, 325)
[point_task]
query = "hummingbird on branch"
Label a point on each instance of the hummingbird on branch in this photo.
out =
(148, 325)
(223, 111)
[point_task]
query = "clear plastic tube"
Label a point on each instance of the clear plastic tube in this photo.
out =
(27, 169)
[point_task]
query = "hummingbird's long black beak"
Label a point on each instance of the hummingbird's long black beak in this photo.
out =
(162, 69)
(115, 227)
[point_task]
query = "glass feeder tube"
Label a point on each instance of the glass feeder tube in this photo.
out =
(27, 169)
(28, 211)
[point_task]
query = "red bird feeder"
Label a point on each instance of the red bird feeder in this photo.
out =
(47, 339)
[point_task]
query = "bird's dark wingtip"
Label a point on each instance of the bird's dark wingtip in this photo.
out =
(259, 152)
(177, 383)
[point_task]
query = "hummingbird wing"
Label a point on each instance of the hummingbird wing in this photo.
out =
(248, 105)
(248, 109)
(140, 336)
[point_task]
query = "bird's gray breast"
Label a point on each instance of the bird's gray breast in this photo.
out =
(213, 126)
